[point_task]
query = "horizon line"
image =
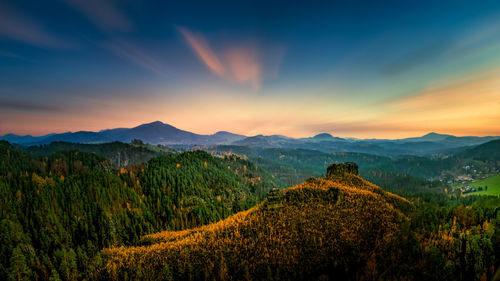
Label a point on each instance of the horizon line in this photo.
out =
(163, 123)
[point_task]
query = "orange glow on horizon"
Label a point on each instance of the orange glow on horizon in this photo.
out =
(467, 106)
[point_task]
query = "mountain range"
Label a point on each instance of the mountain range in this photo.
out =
(165, 134)
(154, 133)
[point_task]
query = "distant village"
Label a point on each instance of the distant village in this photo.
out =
(468, 188)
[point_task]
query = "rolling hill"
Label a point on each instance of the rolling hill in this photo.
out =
(489, 151)
(336, 227)
(118, 153)
(293, 166)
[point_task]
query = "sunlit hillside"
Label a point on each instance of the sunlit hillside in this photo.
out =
(335, 226)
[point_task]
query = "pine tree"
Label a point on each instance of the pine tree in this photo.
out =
(18, 265)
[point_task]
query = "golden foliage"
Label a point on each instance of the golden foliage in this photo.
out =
(322, 221)
(39, 181)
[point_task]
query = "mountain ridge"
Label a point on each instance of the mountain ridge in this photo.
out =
(161, 133)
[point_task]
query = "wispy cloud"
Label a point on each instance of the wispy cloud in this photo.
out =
(466, 105)
(203, 50)
(464, 92)
(422, 54)
(136, 56)
(102, 13)
(19, 27)
(14, 56)
(244, 66)
(477, 40)
(240, 64)
(27, 106)
(107, 16)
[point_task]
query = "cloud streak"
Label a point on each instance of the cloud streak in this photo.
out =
(244, 66)
(27, 106)
(468, 106)
(466, 92)
(21, 28)
(419, 56)
(14, 56)
(449, 48)
(204, 52)
(236, 64)
(136, 56)
(103, 13)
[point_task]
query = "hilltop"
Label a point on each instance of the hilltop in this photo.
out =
(338, 226)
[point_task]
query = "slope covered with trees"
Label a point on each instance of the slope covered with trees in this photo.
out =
(293, 166)
(118, 153)
(487, 152)
(323, 227)
(335, 228)
(58, 211)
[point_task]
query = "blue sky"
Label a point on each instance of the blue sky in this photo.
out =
(351, 68)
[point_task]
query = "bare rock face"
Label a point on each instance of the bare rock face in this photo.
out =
(338, 170)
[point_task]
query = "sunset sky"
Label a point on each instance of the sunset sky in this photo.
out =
(368, 69)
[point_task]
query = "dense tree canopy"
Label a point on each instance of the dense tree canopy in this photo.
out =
(58, 211)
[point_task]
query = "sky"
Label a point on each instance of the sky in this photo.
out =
(366, 69)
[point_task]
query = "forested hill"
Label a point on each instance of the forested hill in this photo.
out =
(58, 211)
(293, 166)
(489, 152)
(332, 227)
(339, 227)
(119, 153)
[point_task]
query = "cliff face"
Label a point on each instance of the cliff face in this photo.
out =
(336, 227)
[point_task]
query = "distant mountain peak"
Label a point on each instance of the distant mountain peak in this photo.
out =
(10, 135)
(434, 134)
(222, 133)
(153, 124)
(323, 136)
(226, 133)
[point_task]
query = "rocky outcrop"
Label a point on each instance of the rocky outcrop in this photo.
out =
(274, 199)
(338, 170)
